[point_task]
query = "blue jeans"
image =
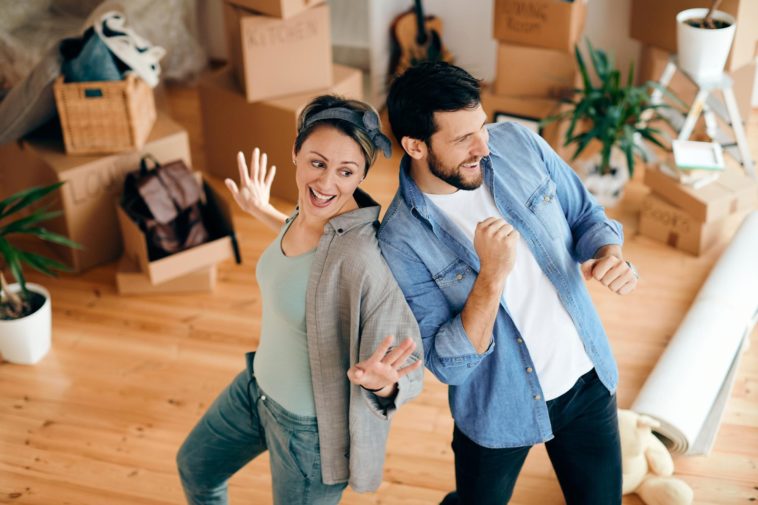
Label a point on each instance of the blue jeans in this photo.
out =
(585, 453)
(242, 423)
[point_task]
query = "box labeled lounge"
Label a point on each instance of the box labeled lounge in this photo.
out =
(130, 280)
(276, 57)
(277, 8)
(731, 193)
(231, 124)
(92, 184)
(220, 246)
(534, 72)
(551, 24)
(666, 223)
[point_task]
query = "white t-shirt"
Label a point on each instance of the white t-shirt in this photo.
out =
(547, 329)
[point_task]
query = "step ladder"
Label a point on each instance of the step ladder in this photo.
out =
(706, 102)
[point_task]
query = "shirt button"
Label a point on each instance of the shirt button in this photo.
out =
(459, 277)
(520, 340)
(537, 397)
(547, 198)
(529, 369)
(263, 397)
(339, 230)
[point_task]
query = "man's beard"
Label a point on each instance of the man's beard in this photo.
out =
(453, 176)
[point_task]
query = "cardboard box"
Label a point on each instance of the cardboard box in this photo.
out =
(92, 184)
(733, 192)
(277, 8)
(528, 111)
(533, 72)
(665, 223)
(130, 280)
(277, 57)
(652, 61)
(551, 24)
(654, 22)
(221, 245)
(231, 124)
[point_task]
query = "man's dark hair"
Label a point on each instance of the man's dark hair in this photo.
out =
(424, 89)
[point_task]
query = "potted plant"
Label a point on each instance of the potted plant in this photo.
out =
(617, 116)
(25, 322)
(704, 38)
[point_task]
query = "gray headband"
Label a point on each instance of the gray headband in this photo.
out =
(366, 121)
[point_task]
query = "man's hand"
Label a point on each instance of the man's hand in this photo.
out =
(609, 268)
(495, 244)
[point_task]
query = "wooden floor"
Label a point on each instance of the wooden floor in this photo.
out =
(100, 419)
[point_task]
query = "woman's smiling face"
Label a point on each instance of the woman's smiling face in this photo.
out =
(329, 167)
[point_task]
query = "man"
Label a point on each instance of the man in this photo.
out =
(488, 236)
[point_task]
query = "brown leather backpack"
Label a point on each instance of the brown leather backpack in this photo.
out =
(167, 203)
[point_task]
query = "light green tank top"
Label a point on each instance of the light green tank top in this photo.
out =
(281, 363)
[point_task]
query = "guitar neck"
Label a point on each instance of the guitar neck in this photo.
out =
(421, 34)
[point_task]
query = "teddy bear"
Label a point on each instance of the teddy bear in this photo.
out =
(647, 464)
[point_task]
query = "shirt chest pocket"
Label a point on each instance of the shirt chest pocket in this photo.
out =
(456, 281)
(545, 206)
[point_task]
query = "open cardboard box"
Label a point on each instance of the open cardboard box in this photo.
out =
(222, 244)
(130, 280)
(92, 183)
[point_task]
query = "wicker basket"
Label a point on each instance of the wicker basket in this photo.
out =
(105, 117)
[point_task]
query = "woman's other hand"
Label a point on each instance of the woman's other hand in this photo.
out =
(384, 368)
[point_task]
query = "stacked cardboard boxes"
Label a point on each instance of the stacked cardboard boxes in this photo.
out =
(536, 66)
(280, 59)
(691, 219)
(89, 199)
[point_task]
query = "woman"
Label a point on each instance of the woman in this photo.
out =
(326, 377)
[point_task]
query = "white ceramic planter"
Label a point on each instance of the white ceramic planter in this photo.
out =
(608, 188)
(27, 340)
(703, 52)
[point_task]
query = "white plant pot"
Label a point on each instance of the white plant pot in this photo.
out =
(703, 52)
(27, 340)
(606, 188)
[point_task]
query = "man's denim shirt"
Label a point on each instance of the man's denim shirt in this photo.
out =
(493, 399)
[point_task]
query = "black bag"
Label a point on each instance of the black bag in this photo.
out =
(167, 204)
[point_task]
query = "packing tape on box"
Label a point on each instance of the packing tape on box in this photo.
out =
(689, 386)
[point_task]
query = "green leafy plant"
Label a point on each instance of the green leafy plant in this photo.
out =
(14, 222)
(613, 113)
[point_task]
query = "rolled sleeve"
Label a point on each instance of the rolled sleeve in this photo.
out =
(448, 351)
(590, 227)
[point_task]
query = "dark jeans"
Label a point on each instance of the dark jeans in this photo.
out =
(585, 453)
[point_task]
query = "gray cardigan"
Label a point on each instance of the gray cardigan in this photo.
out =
(352, 303)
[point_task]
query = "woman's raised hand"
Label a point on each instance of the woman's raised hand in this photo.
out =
(254, 190)
(384, 367)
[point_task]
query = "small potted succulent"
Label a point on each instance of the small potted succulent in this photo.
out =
(617, 116)
(25, 312)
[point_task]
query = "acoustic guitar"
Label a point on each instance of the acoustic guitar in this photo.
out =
(415, 38)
